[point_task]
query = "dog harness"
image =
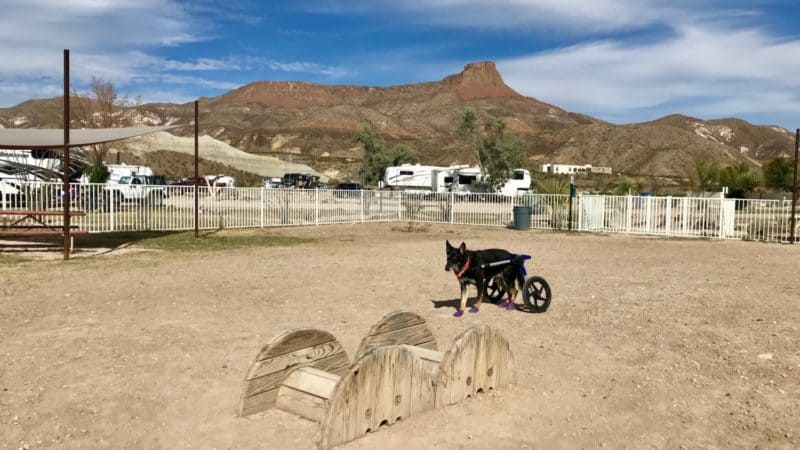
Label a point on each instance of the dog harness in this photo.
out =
(461, 272)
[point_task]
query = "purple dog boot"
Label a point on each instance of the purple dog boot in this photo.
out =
(474, 309)
(511, 306)
(458, 313)
(504, 304)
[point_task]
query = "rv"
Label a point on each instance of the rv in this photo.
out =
(117, 171)
(459, 178)
(414, 177)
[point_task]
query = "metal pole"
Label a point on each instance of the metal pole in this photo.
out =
(65, 197)
(794, 187)
(571, 194)
(196, 170)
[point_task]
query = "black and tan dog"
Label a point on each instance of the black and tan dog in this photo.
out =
(477, 267)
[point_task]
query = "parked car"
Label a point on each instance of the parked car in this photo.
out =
(341, 189)
(201, 181)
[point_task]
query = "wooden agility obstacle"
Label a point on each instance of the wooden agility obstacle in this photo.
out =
(398, 373)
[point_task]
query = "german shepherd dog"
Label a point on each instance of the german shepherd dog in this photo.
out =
(475, 267)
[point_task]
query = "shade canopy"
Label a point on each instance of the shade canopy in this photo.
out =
(38, 138)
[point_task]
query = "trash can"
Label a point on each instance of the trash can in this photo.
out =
(522, 217)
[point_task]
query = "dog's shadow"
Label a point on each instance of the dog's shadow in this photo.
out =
(455, 303)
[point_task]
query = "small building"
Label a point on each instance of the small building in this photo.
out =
(571, 169)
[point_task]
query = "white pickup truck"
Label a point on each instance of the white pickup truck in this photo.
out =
(146, 189)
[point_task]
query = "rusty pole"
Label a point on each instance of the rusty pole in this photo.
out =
(196, 170)
(794, 187)
(65, 195)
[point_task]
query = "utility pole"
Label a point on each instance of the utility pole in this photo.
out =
(196, 169)
(794, 187)
(65, 195)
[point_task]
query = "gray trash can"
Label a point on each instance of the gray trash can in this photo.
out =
(522, 217)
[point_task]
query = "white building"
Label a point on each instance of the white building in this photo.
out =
(570, 169)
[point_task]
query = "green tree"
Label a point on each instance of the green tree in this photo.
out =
(98, 172)
(377, 158)
(705, 176)
(740, 180)
(552, 184)
(778, 174)
(627, 186)
(498, 150)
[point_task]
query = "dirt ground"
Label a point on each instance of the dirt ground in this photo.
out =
(648, 342)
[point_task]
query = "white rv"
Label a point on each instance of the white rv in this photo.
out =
(411, 177)
(458, 178)
(470, 179)
(117, 171)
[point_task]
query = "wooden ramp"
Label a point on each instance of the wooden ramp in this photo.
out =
(284, 353)
(397, 328)
(397, 374)
(384, 386)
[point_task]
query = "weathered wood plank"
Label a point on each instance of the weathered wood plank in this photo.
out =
(284, 353)
(333, 364)
(258, 402)
(413, 335)
(431, 358)
(384, 384)
(395, 321)
(480, 358)
(312, 381)
(293, 340)
(306, 392)
(301, 403)
(292, 359)
(396, 328)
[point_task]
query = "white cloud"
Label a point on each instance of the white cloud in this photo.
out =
(575, 16)
(710, 71)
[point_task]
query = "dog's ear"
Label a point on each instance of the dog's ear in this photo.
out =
(448, 244)
(463, 248)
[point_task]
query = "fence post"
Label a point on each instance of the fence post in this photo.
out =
(684, 214)
(648, 216)
(112, 210)
(362, 205)
(628, 214)
(400, 205)
(316, 207)
(262, 193)
(580, 215)
(721, 215)
(668, 219)
(451, 199)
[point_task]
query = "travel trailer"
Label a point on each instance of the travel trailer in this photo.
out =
(117, 171)
(460, 178)
(413, 177)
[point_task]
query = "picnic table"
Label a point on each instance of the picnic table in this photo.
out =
(31, 223)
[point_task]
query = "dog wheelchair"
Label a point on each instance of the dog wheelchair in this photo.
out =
(536, 291)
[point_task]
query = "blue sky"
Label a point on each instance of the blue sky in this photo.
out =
(619, 60)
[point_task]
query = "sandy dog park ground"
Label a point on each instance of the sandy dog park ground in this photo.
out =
(648, 342)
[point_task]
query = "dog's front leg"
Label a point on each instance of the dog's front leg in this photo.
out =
(481, 285)
(460, 310)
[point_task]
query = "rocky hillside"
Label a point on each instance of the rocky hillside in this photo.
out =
(313, 124)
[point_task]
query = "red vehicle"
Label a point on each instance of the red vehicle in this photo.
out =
(201, 181)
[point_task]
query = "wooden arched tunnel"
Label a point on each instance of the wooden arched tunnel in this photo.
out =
(398, 373)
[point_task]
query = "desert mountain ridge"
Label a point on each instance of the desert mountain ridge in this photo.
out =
(313, 124)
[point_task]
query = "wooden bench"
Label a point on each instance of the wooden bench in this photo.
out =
(39, 228)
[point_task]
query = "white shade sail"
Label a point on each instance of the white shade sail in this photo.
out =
(36, 138)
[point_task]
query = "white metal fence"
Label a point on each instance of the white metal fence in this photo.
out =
(134, 208)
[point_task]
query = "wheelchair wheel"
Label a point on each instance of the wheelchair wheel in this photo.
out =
(493, 291)
(536, 294)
